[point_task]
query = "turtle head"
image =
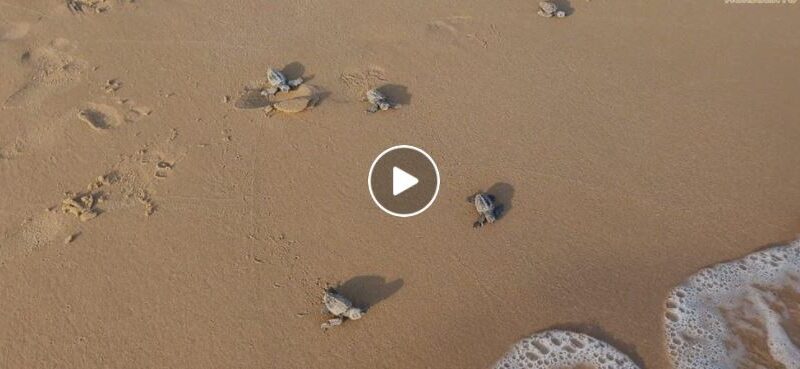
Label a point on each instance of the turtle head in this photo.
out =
(353, 313)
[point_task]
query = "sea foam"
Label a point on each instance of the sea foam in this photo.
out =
(557, 349)
(740, 314)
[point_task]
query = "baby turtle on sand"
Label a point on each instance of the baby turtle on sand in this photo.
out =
(548, 9)
(484, 204)
(82, 6)
(278, 82)
(379, 101)
(340, 307)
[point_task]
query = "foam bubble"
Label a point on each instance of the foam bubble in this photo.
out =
(740, 314)
(559, 349)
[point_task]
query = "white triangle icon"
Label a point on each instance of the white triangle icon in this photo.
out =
(402, 181)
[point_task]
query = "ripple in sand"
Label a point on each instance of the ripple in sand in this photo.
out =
(557, 349)
(740, 314)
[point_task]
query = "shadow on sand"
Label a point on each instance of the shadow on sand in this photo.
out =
(367, 291)
(503, 194)
(296, 70)
(565, 6)
(397, 94)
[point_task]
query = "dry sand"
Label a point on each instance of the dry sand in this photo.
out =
(633, 143)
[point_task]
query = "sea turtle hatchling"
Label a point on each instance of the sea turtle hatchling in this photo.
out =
(487, 210)
(81, 6)
(548, 9)
(278, 82)
(340, 307)
(379, 101)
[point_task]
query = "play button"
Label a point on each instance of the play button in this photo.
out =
(403, 181)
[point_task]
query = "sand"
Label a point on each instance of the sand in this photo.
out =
(740, 314)
(632, 144)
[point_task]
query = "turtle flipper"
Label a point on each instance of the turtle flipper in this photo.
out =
(481, 221)
(498, 211)
(295, 82)
(331, 323)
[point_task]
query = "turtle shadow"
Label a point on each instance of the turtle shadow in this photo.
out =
(251, 96)
(565, 6)
(596, 332)
(296, 70)
(503, 194)
(397, 94)
(366, 291)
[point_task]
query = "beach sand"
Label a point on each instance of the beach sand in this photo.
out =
(631, 143)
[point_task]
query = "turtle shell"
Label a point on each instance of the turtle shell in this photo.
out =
(483, 203)
(275, 78)
(336, 303)
(548, 7)
(375, 97)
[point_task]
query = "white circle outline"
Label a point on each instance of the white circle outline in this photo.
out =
(435, 169)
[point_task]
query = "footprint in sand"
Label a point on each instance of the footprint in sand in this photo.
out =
(10, 31)
(58, 223)
(32, 234)
(460, 28)
(128, 185)
(141, 173)
(53, 70)
(135, 113)
(99, 117)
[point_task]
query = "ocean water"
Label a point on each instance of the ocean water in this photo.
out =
(742, 314)
(557, 349)
(739, 314)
